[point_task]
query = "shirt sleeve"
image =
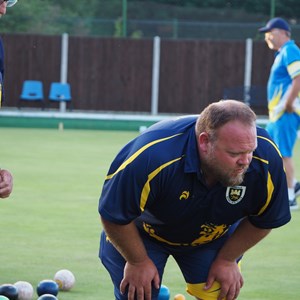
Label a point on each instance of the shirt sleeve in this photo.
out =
(292, 61)
(120, 200)
(275, 211)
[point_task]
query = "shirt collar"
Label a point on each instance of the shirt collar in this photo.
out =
(192, 161)
(284, 45)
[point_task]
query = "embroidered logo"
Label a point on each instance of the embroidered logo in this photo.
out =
(210, 232)
(185, 195)
(235, 194)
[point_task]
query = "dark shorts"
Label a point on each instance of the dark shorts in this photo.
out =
(194, 262)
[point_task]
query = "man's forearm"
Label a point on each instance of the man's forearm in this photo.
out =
(294, 91)
(245, 237)
(127, 240)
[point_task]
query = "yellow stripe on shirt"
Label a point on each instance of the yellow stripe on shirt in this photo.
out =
(294, 68)
(271, 142)
(146, 188)
(270, 187)
(137, 153)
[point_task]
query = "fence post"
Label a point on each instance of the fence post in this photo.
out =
(175, 28)
(248, 71)
(64, 66)
(155, 75)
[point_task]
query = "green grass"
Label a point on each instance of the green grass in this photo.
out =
(51, 221)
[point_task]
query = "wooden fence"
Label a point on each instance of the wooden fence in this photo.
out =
(110, 74)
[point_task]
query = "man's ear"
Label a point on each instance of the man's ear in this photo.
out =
(203, 141)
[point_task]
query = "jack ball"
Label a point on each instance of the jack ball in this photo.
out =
(179, 297)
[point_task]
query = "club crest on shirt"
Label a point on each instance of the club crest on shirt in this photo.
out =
(235, 194)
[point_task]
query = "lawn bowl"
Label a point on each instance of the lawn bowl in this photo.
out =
(47, 286)
(9, 290)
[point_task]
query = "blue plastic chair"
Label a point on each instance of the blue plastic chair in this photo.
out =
(32, 90)
(60, 92)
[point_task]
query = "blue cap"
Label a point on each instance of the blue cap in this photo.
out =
(278, 23)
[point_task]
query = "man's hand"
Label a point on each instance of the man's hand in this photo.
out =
(6, 183)
(228, 275)
(139, 279)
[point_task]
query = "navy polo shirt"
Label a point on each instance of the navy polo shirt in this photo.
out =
(156, 180)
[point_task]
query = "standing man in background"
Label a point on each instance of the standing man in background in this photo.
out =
(6, 179)
(283, 97)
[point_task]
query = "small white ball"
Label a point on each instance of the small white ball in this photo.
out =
(65, 279)
(25, 290)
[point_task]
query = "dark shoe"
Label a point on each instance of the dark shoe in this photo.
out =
(293, 204)
(297, 189)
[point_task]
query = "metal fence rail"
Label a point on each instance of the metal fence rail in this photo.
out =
(177, 29)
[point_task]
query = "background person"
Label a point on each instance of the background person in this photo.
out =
(202, 189)
(283, 97)
(3, 5)
(6, 180)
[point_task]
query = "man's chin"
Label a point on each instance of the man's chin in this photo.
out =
(233, 182)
